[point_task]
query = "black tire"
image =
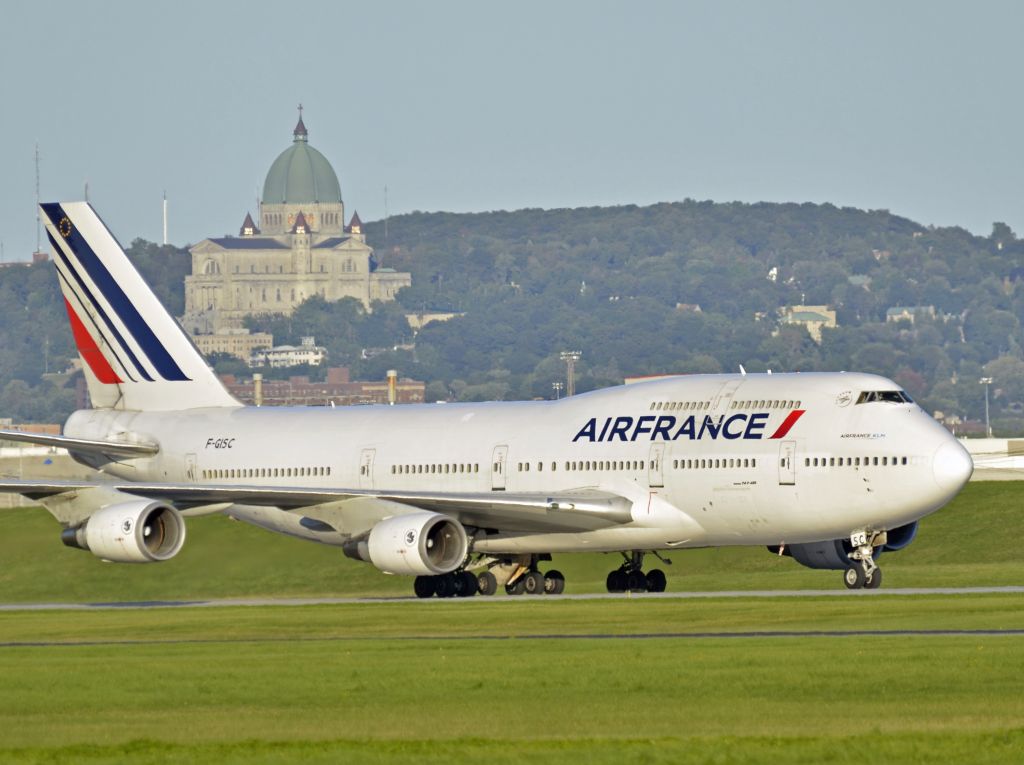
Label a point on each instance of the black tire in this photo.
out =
(533, 583)
(423, 586)
(617, 581)
(518, 587)
(487, 583)
(875, 581)
(468, 585)
(656, 581)
(636, 581)
(445, 585)
(554, 583)
(853, 578)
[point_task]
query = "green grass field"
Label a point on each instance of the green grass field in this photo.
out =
(973, 541)
(506, 680)
(459, 681)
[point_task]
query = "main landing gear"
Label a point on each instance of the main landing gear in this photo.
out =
(457, 584)
(518, 576)
(864, 573)
(527, 580)
(630, 577)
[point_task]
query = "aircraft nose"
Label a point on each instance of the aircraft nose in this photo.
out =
(952, 466)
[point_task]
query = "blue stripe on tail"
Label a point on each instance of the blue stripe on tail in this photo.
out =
(115, 296)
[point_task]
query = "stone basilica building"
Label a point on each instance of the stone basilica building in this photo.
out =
(300, 248)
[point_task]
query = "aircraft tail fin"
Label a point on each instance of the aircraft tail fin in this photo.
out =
(134, 354)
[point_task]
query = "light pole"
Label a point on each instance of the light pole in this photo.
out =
(570, 358)
(986, 381)
(558, 389)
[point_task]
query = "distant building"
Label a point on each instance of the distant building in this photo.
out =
(418, 321)
(240, 343)
(40, 428)
(688, 308)
(281, 356)
(336, 390)
(300, 247)
(813, 317)
(909, 312)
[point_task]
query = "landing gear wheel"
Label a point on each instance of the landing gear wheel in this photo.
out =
(875, 581)
(617, 581)
(467, 584)
(533, 583)
(444, 585)
(854, 578)
(636, 581)
(656, 581)
(554, 583)
(518, 587)
(487, 583)
(423, 586)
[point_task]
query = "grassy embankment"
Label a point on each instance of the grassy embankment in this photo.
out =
(973, 541)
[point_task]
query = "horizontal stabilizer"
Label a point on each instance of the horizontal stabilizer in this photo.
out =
(82, 445)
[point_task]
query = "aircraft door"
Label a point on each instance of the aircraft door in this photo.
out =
(366, 468)
(190, 468)
(498, 460)
(655, 466)
(787, 463)
(724, 395)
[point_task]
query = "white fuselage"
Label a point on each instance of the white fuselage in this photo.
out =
(695, 455)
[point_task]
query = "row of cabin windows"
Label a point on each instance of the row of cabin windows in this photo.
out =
(525, 467)
(762, 404)
(445, 468)
(680, 406)
(299, 472)
(731, 462)
(683, 406)
(853, 461)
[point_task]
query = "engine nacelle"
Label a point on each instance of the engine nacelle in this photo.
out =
(140, 531)
(835, 553)
(418, 544)
(900, 537)
(831, 554)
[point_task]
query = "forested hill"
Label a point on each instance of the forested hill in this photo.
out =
(608, 281)
(620, 284)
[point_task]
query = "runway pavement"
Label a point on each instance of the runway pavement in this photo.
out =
(265, 602)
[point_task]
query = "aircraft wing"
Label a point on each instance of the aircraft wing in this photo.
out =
(584, 510)
(84, 445)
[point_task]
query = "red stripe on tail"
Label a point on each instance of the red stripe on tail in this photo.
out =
(89, 350)
(788, 423)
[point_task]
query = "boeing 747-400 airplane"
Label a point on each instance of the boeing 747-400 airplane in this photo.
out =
(832, 469)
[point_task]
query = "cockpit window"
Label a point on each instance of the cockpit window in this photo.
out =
(889, 396)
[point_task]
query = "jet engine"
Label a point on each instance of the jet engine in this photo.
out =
(420, 544)
(138, 531)
(835, 553)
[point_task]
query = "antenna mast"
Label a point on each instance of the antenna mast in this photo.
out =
(38, 245)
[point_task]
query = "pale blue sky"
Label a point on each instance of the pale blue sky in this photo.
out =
(468, 106)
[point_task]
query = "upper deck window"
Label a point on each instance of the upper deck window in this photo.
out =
(889, 396)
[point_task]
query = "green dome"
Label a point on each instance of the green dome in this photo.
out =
(301, 174)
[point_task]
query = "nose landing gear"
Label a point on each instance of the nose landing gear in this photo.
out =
(864, 573)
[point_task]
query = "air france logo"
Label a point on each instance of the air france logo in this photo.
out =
(669, 428)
